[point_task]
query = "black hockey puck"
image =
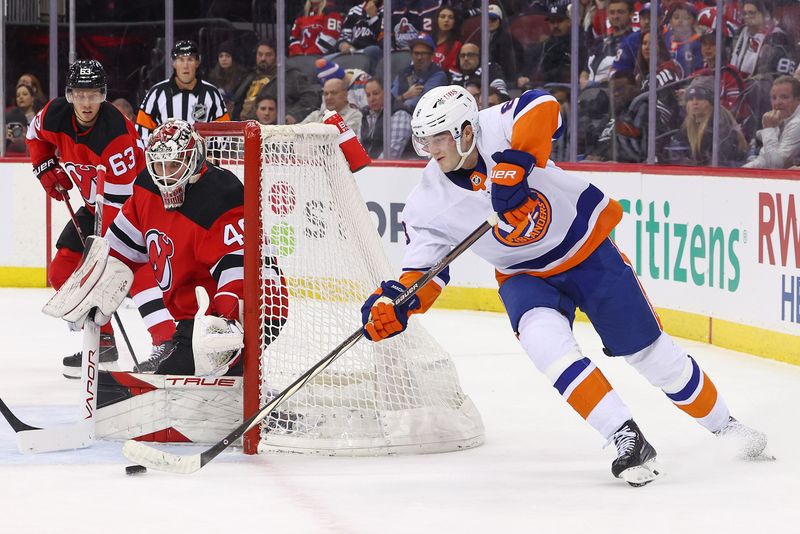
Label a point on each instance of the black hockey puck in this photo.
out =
(135, 470)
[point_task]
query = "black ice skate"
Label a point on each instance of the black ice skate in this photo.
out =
(749, 443)
(636, 458)
(108, 354)
(157, 355)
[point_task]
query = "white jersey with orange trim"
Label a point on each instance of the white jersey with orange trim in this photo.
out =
(572, 217)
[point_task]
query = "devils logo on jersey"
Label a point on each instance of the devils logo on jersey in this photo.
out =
(160, 249)
(85, 177)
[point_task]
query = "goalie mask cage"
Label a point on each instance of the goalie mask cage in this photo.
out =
(312, 255)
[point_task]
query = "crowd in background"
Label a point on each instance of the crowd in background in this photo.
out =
(336, 60)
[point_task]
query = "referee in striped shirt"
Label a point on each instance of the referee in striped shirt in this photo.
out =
(183, 96)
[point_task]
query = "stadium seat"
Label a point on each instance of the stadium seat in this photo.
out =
(528, 29)
(305, 63)
(471, 30)
(352, 61)
(400, 60)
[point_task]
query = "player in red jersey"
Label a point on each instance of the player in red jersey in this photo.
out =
(68, 139)
(185, 219)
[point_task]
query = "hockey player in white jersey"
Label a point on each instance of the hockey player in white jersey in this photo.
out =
(552, 253)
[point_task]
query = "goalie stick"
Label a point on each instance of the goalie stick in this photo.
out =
(80, 434)
(153, 458)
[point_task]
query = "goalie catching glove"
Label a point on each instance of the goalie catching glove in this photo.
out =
(512, 198)
(216, 342)
(101, 282)
(381, 317)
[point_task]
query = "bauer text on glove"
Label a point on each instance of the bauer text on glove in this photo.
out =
(380, 317)
(512, 198)
(53, 178)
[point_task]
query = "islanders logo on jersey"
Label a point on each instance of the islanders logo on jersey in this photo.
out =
(160, 249)
(535, 229)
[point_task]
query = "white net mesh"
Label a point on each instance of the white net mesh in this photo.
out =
(321, 259)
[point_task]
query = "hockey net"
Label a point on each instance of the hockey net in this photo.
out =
(309, 234)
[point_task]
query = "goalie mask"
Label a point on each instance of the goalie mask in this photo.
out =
(175, 156)
(444, 109)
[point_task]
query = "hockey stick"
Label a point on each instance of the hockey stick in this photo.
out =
(153, 458)
(32, 439)
(80, 434)
(99, 231)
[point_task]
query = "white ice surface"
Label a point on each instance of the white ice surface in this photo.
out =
(541, 469)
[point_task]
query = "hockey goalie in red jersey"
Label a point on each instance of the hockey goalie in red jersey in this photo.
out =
(185, 220)
(68, 139)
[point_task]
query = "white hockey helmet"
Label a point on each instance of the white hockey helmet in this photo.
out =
(444, 109)
(175, 154)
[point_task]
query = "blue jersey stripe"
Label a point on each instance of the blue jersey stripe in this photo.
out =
(690, 388)
(587, 203)
(570, 374)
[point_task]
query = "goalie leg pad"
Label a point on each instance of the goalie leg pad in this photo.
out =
(100, 281)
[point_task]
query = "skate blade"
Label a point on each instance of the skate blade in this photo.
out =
(641, 475)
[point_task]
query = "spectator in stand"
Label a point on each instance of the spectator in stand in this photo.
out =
(496, 97)
(624, 137)
(762, 47)
(317, 31)
(39, 96)
(227, 74)
(372, 124)
(125, 108)
(355, 80)
(602, 55)
(421, 76)
(628, 50)
(184, 95)
(780, 136)
(334, 96)
(19, 118)
(692, 144)
(474, 88)
(267, 110)
(707, 18)
(549, 61)
(361, 31)
(732, 85)
(668, 107)
(682, 38)
(469, 64)
(302, 96)
(560, 147)
(594, 21)
(446, 35)
(503, 49)
(410, 18)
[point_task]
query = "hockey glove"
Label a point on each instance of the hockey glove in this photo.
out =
(380, 317)
(216, 341)
(512, 199)
(53, 178)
